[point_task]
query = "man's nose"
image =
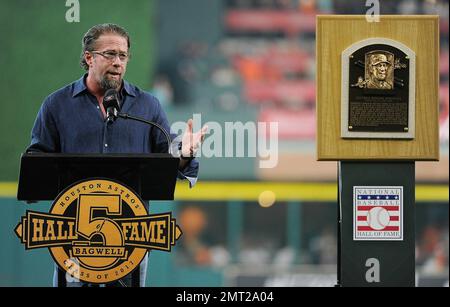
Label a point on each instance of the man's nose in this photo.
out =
(117, 62)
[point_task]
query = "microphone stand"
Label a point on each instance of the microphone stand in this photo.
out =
(127, 116)
(136, 274)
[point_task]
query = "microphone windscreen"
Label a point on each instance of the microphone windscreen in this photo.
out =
(110, 92)
(111, 99)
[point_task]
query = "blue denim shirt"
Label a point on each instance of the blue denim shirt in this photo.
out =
(71, 121)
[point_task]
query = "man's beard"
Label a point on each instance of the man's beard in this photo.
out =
(107, 84)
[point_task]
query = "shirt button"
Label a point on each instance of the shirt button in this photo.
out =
(98, 107)
(106, 145)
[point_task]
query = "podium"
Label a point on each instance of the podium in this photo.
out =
(43, 176)
(377, 113)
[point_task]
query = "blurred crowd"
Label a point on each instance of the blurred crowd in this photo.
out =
(265, 58)
(432, 250)
(202, 247)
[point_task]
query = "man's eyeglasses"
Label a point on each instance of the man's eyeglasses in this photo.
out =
(111, 55)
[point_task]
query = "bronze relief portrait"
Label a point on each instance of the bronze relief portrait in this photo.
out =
(379, 70)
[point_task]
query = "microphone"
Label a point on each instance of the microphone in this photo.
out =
(111, 105)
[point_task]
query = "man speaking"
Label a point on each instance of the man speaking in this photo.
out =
(73, 119)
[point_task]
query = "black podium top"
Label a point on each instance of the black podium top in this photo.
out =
(44, 175)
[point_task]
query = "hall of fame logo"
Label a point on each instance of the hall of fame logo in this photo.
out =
(98, 231)
(377, 213)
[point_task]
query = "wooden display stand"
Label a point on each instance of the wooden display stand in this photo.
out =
(376, 240)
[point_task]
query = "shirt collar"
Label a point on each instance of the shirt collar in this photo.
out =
(80, 86)
(129, 89)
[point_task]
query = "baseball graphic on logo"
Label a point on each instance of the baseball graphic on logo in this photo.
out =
(378, 218)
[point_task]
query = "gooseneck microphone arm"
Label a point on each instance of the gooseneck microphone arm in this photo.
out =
(127, 116)
(111, 103)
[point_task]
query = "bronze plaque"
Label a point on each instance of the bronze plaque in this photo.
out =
(378, 101)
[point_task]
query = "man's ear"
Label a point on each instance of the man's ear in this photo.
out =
(88, 57)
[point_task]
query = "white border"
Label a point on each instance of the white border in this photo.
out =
(345, 88)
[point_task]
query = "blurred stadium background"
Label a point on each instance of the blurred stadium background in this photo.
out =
(230, 60)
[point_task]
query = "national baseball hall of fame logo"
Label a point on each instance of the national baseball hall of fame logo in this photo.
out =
(98, 230)
(378, 213)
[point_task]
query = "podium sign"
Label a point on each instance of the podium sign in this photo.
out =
(98, 230)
